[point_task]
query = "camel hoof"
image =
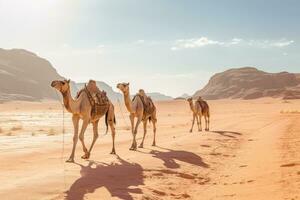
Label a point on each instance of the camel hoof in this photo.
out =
(70, 160)
(154, 144)
(141, 146)
(191, 131)
(86, 156)
(113, 152)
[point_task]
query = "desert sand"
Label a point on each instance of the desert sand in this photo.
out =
(251, 152)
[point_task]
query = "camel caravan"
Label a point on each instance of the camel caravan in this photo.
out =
(90, 104)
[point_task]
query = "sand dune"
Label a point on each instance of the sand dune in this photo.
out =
(251, 152)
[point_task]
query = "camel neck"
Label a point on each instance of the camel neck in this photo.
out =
(68, 101)
(127, 101)
(192, 106)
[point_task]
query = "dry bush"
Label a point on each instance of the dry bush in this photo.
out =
(51, 132)
(16, 128)
(9, 133)
(290, 112)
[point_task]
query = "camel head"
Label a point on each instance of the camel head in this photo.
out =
(190, 100)
(124, 87)
(61, 86)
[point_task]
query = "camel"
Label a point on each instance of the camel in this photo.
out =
(81, 108)
(200, 109)
(136, 108)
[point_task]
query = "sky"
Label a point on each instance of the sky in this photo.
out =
(167, 46)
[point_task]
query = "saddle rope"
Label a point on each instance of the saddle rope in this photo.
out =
(63, 137)
(122, 113)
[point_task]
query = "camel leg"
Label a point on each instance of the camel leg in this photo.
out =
(135, 132)
(113, 133)
(200, 116)
(75, 120)
(131, 117)
(95, 136)
(154, 131)
(145, 132)
(81, 138)
(193, 123)
(208, 122)
(111, 122)
(197, 122)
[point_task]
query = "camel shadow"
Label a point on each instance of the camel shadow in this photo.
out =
(120, 179)
(225, 133)
(169, 158)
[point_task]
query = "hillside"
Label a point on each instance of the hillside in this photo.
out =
(251, 83)
(112, 95)
(25, 76)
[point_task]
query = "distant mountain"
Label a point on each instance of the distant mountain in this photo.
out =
(183, 97)
(156, 96)
(112, 95)
(25, 76)
(251, 83)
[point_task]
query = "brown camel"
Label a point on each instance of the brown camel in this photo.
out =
(137, 107)
(81, 108)
(200, 109)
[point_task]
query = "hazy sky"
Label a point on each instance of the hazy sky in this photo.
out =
(169, 46)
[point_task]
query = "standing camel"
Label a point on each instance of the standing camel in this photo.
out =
(81, 108)
(137, 109)
(200, 109)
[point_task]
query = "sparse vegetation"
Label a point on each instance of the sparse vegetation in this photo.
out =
(51, 132)
(286, 101)
(9, 133)
(290, 112)
(16, 128)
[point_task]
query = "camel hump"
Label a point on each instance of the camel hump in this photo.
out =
(148, 104)
(79, 93)
(204, 105)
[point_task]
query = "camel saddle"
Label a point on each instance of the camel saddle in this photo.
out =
(99, 103)
(149, 106)
(203, 104)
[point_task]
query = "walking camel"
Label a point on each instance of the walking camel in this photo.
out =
(142, 108)
(81, 108)
(199, 109)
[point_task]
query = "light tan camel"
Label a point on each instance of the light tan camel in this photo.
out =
(81, 109)
(136, 109)
(199, 109)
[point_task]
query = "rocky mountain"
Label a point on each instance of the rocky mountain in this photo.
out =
(25, 76)
(182, 97)
(156, 96)
(112, 95)
(251, 83)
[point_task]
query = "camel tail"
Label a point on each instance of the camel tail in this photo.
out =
(106, 122)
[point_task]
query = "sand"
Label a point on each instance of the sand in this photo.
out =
(251, 152)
